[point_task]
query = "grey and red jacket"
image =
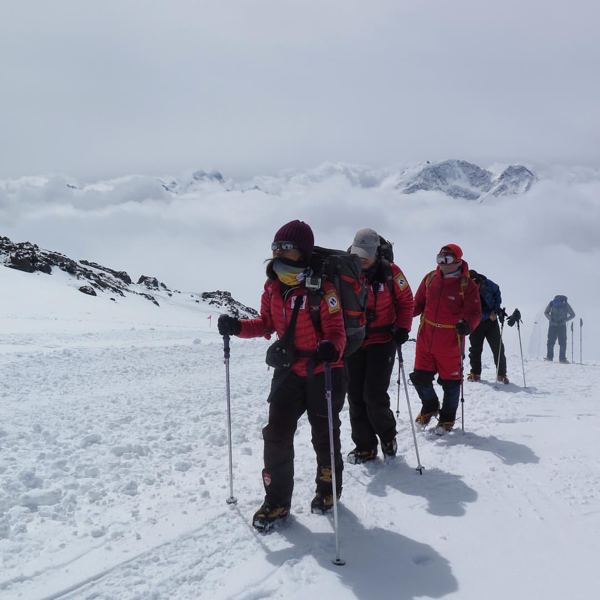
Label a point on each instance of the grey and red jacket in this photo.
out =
(275, 314)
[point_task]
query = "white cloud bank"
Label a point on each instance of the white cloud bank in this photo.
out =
(213, 235)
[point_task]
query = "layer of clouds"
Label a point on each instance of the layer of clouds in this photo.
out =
(535, 246)
(95, 89)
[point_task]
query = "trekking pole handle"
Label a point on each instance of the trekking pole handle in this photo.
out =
(226, 349)
(399, 351)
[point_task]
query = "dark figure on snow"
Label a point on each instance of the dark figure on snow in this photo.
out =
(558, 312)
(298, 384)
(488, 329)
(448, 302)
(389, 319)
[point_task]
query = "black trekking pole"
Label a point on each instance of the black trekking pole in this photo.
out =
(580, 341)
(419, 467)
(328, 389)
(461, 345)
(400, 366)
(516, 318)
(232, 499)
(572, 343)
(501, 315)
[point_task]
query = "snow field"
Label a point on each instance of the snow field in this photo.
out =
(114, 476)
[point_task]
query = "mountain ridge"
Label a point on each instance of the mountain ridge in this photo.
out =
(91, 278)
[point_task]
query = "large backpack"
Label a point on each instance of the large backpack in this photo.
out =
(386, 249)
(343, 270)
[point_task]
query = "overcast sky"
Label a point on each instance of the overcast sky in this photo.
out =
(96, 89)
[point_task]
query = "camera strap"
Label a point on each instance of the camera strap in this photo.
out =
(286, 340)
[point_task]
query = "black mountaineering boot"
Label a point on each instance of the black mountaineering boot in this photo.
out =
(389, 449)
(322, 504)
(268, 514)
(357, 457)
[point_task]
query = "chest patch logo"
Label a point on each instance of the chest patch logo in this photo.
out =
(332, 302)
(401, 281)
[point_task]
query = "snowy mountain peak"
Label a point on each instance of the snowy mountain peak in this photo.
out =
(462, 179)
(515, 179)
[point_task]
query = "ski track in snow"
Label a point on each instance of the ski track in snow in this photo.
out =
(114, 475)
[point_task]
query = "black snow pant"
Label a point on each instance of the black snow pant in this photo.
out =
(560, 332)
(295, 396)
(486, 330)
(423, 382)
(369, 372)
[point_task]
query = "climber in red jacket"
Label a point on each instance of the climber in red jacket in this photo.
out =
(448, 302)
(298, 384)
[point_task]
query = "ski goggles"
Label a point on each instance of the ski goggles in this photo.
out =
(446, 259)
(284, 246)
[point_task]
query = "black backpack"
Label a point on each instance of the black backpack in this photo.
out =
(343, 270)
(386, 249)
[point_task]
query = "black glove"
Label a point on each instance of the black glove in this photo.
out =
(229, 325)
(514, 318)
(401, 336)
(463, 328)
(327, 352)
(501, 314)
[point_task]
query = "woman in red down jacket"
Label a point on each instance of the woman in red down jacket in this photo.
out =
(300, 388)
(448, 302)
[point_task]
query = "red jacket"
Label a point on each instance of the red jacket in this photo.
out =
(441, 302)
(275, 315)
(382, 303)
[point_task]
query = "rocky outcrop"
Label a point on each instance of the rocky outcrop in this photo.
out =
(88, 290)
(122, 275)
(31, 258)
(95, 278)
(221, 299)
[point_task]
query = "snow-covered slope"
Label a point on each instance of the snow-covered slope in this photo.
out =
(92, 279)
(114, 471)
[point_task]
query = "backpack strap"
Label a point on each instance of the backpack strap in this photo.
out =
(314, 310)
(288, 334)
(386, 269)
(428, 278)
(464, 283)
(389, 279)
(314, 306)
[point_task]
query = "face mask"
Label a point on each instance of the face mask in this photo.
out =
(289, 272)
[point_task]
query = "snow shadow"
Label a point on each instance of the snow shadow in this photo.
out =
(512, 388)
(447, 494)
(510, 453)
(404, 569)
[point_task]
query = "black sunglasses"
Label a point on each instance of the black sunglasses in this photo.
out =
(284, 246)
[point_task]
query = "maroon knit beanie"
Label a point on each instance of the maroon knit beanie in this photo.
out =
(299, 233)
